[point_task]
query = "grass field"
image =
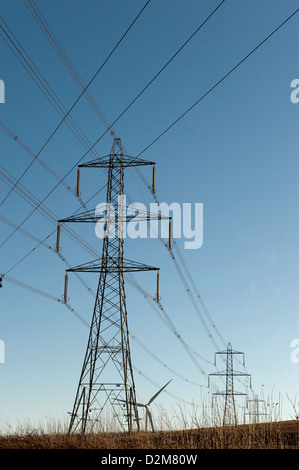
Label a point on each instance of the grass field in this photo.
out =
(274, 435)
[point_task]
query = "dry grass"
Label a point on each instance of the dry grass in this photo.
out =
(276, 435)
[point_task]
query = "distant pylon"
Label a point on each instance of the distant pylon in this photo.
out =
(107, 372)
(254, 412)
(229, 415)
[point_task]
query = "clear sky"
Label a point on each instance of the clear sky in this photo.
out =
(236, 152)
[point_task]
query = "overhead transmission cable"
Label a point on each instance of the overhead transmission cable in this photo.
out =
(70, 67)
(42, 293)
(44, 210)
(91, 148)
(211, 89)
(31, 288)
(134, 283)
(40, 19)
(190, 277)
(234, 68)
(15, 46)
(164, 316)
(57, 46)
(22, 144)
(49, 33)
(157, 359)
(201, 98)
(48, 91)
(214, 87)
(222, 2)
(82, 93)
(152, 80)
(219, 82)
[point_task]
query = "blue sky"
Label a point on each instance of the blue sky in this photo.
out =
(236, 152)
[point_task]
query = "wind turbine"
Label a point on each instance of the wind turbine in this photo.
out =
(148, 415)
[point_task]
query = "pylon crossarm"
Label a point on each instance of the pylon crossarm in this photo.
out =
(230, 352)
(241, 374)
(91, 216)
(235, 373)
(114, 266)
(118, 160)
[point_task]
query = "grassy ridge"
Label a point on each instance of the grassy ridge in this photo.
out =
(275, 435)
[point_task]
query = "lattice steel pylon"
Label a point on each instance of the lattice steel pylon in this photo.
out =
(254, 409)
(229, 414)
(107, 372)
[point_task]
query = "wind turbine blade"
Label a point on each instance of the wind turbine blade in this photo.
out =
(130, 403)
(151, 420)
(155, 396)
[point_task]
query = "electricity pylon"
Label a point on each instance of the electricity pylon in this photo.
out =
(254, 409)
(107, 372)
(229, 415)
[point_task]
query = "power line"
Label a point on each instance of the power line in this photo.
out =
(57, 46)
(193, 301)
(175, 122)
(157, 359)
(191, 296)
(152, 80)
(40, 19)
(12, 224)
(199, 100)
(46, 90)
(70, 67)
(42, 293)
(219, 82)
(165, 318)
(140, 372)
(49, 247)
(53, 218)
(30, 288)
(42, 201)
(227, 74)
(41, 243)
(19, 141)
(34, 72)
(187, 111)
(197, 293)
(177, 52)
(134, 283)
(23, 145)
(248, 55)
(82, 93)
(46, 212)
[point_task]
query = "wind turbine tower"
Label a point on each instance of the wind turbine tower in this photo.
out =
(148, 414)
